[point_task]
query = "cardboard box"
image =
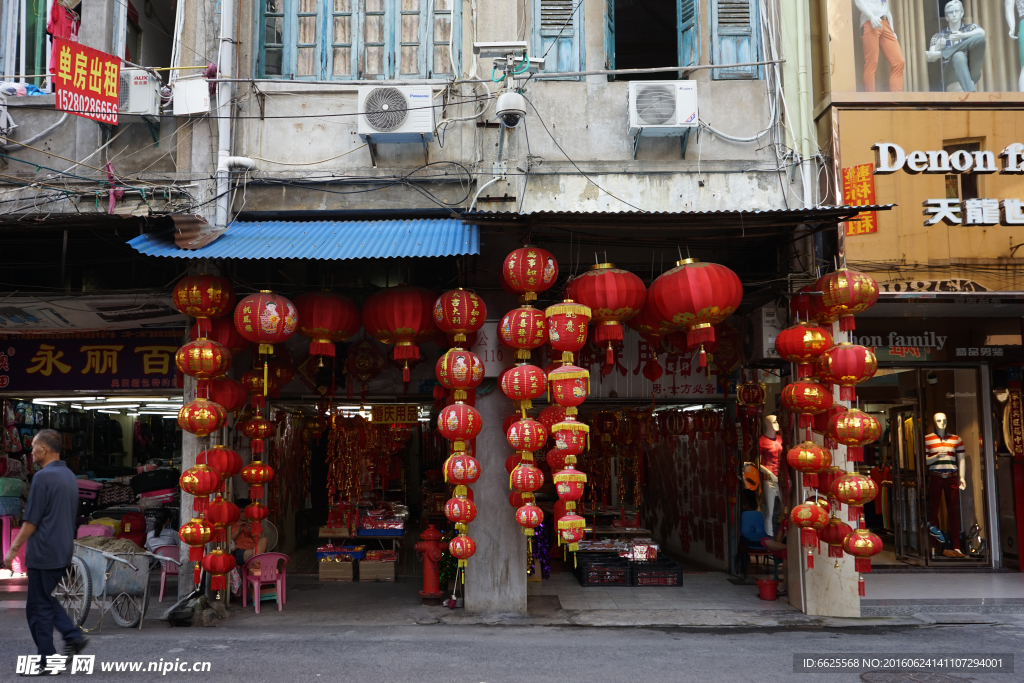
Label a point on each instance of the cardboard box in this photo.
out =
(337, 532)
(337, 571)
(376, 571)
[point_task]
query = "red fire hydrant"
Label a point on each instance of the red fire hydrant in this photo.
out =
(431, 547)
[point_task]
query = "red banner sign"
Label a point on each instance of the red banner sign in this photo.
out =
(859, 190)
(86, 81)
(1016, 425)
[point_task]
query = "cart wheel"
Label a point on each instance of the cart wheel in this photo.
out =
(74, 592)
(125, 610)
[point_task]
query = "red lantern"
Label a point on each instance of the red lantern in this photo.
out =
(527, 435)
(524, 329)
(256, 512)
(555, 459)
(460, 511)
(517, 499)
(806, 398)
(256, 474)
(614, 296)
(803, 344)
(253, 383)
(217, 564)
(222, 331)
(229, 393)
(569, 484)
(821, 421)
(672, 421)
(854, 429)
(571, 437)
(202, 417)
(847, 293)
(459, 371)
(847, 365)
(196, 533)
(810, 519)
(569, 386)
(224, 460)
(834, 533)
(266, 319)
(863, 545)
(401, 316)
(527, 477)
(529, 516)
(203, 297)
(325, 318)
(570, 531)
(280, 374)
(529, 270)
(461, 470)
(549, 417)
(567, 327)
(200, 481)
(696, 296)
(257, 430)
(809, 458)
(522, 384)
(750, 398)
(316, 426)
(221, 515)
(203, 359)
(462, 548)
(458, 313)
(856, 491)
(706, 422)
(511, 462)
(459, 423)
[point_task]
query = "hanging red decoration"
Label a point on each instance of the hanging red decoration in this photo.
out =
(203, 359)
(203, 297)
(571, 437)
(512, 461)
(461, 470)
(325, 318)
(696, 296)
(522, 384)
(266, 319)
(567, 327)
(803, 344)
(227, 462)
(570, 531)
(652, 330)
(254, 385)
(863, 545)
(801, 306)
(847, 293)
(854, 429)
(230, 394)
(460, 510)
(569, 386)
(257, 474)
(806, 398)
(365, 361)
(458, 313)
(809, 458)
(462, 548)
(529, 270)
(821, 421)
(706, 422)
(555, 459)
(569, 485)
(613, 296)
(217, 563)
(549, 417)
(847, 365)
(459, 423)
(196, 533)
(200, 481)
(221, 514)
(750, 398)
(810, 519)
(527, 435)
(523, 329)
(674, 422)
(856, 491)
(459, 371)
(201, 417)
(526, 477)
(256, 512)
(257, 430)
(224, 332)
(834, 533)
(529, 516)
(402, 316)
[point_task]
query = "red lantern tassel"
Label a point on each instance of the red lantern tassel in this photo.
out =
(608, 332)
(609, 355)
(321, 348)
(846, 323)
(847, 393)
(808, 538)
(407, 352)
(257, 529)
(860, 587)
(255, 491)
(855, 454)
(853, 512)
(406, 377)
(257, 445)
(195, 553)
(810, 560)
(195, 578)
(835, 551)
(703, 358)
(862, 565)
(698, 336)
(199, 504)
(217, 582)
(811, 480)
(804, 370)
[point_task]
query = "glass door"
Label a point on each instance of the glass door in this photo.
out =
(904, 428)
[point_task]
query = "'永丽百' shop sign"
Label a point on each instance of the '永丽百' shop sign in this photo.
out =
(82, 361)
(890, 158)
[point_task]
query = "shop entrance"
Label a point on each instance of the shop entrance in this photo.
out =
(930, 466)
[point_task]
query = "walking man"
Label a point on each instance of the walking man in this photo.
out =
(48, 527)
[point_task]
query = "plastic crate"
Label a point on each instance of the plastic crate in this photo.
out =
(603, 573)
(659, 573)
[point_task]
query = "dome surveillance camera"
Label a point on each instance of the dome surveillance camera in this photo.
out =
(511, 108)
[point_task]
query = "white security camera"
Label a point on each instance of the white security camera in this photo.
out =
(511, 108)
(500, 49)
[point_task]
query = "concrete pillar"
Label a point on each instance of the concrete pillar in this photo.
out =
(189, 450)
(496, 574)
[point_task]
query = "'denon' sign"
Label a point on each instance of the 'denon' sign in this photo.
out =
(86, 81)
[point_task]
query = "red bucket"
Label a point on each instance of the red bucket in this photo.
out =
(768, 589)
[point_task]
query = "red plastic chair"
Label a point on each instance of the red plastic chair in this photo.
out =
(269, 573)
(166, 568)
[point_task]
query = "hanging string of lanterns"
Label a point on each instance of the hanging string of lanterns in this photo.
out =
(613, 296)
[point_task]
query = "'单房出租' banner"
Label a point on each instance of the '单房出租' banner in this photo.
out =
(86, 81)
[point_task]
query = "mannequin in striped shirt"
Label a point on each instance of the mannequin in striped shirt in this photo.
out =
(944, 456)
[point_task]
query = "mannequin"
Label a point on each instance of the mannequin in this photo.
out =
(769, 445)
(944, 456)
(877, 33)
(1015, 18)
(961, 47)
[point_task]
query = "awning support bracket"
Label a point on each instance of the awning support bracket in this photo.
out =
(372, 146)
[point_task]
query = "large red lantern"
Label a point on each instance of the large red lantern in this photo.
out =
(614, 296)
(460, 510)
(847, 293)
(461, 469)
(222, 331)
(569, 386)
(462, 548)
(569, 484)
(821, 420)
(512, 462)
(567, 327)
(696, 296)
(750, 398)
(227, 462)
(526, 477)
(202, 417)
(834, 533)
(254, 384)
(203, 297)
(458, 313)
(460, 371)
(325, 318)
(522, 384)
(524, 329)
(266, 319)
(401, 316)
(529, 516)
(847, 365)
(529, 270)
(230, 394)
(856, 491)
(217, 563)
(221, 515)
(203, 359)
(803, 344)
(571, 437)
(459, 423)
(863, 545)
(674, 422)
(806, 398)
(810, 519)
(527, 435)
(550, 416)
(201, 481)
(256, 512)
(257, 430)
(809, 459)
(854, 429)
(196, 533)
(570, 531)
(706, 422)
(257, 474)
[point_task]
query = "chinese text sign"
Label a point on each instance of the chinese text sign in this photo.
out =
(86, 81)
(859, 190)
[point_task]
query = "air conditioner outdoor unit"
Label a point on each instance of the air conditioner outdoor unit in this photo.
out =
(759, 332)
(138, 93)
(396, 113)
(662, 108)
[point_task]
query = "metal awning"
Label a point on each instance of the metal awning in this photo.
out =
(327, 240)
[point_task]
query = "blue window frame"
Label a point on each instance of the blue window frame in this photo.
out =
(684, 47)
(557, 35)
(358, 39)
(735, 39)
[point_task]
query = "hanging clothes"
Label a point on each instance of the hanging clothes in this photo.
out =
(63, 23)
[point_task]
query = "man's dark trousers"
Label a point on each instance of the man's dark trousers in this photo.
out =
(45, 613)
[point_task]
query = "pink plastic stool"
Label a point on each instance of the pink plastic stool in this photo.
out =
(268, 574)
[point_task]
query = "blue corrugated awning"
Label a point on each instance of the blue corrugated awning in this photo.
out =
(328, 240)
